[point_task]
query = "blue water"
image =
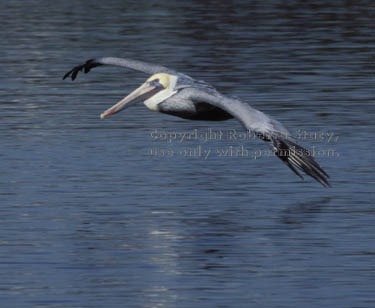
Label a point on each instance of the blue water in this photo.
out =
(99, 213)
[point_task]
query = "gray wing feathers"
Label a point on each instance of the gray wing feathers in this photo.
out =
(250, 117)
(127, 63)
(134, 65)
(268, 129)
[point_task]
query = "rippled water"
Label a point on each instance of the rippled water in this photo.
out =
(91, 217)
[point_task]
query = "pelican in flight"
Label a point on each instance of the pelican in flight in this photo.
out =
(174, 93)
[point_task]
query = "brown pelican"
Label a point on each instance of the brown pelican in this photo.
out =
(174, 93)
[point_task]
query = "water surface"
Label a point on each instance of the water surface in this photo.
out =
(89, 218)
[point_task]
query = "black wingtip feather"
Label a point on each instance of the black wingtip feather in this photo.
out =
(295, 156)
(66, 75)
(86, 67)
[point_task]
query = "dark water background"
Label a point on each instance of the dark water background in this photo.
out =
(88, 218)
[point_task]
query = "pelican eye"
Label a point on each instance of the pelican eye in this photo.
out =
(156, 83)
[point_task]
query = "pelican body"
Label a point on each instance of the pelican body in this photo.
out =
(178, 94)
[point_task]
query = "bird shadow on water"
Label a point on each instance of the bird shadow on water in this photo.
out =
(300, 213)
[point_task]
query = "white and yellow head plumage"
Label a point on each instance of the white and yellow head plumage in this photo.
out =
(168, 82)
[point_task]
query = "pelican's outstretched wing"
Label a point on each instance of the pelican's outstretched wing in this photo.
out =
(268, 129)
(131, 64)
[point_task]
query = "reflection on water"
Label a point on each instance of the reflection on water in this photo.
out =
(90, 218)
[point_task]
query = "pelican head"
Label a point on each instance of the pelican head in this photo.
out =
(155, 90)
